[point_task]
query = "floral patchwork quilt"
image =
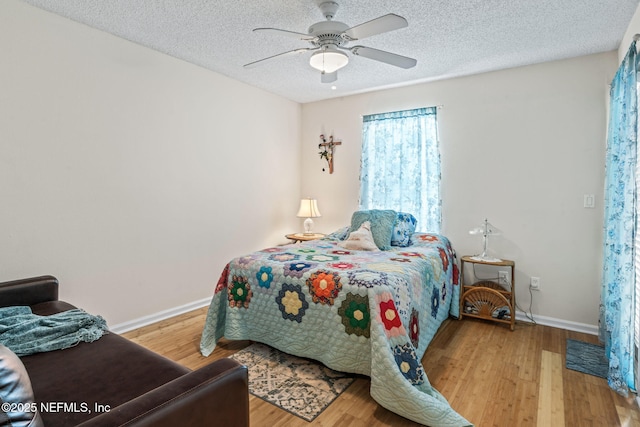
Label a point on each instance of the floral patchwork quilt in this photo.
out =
(365, 312)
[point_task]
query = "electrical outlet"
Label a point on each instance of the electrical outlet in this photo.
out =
(535, 283)
(503, 278)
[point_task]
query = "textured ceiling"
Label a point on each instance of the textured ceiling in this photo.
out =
(449, 38)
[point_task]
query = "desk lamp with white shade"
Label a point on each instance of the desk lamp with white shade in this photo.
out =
(308, 209)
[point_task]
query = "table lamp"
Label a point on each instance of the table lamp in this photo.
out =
(308, 209)
(486, 229)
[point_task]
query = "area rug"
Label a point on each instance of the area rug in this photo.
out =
(586, 357)
(300, 386)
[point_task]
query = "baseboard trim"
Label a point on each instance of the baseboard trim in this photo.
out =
(161, 315)
(559, 323)
(166, 314)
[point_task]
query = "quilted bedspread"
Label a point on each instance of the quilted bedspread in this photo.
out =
(370, 313)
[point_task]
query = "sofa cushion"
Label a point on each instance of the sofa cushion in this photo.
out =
(51, 307)
(16, 392)
(108, 372)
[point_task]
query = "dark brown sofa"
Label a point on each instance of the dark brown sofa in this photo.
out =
(115, 382)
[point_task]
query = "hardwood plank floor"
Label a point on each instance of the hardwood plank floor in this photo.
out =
(490, 375)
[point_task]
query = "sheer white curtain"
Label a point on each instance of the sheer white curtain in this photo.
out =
(400, 166)
(618, 300)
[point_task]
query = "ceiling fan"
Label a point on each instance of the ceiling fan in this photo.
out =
(329, 39)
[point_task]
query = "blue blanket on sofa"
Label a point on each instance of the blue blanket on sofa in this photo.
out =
(26, 333)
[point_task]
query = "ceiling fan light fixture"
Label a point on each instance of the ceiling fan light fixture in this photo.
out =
(328, 60)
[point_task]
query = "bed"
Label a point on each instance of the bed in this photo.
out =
(365, 312)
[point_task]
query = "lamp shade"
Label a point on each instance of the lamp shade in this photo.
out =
(328, 60)
(308, 209)
(486, 229)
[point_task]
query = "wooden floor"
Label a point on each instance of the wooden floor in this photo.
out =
(490, 375)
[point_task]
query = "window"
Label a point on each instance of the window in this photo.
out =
(400, 166)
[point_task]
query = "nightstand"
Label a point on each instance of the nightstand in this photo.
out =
(302, 237)
(493, 299)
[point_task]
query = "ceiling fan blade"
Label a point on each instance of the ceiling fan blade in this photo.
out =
(383, 56)
(379, 25)
(289, 53)
(287, 33)
(328, 77)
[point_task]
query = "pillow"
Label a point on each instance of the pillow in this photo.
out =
(361, 239)
(403, 229)
(339, 234)
(381, 225)
(15, 389)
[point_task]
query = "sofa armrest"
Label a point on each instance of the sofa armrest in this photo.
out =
(33, 290)
(216, 394)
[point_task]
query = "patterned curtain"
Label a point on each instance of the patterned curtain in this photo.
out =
(617, 306)
(400, 166)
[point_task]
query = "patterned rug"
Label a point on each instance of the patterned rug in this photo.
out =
(587, 358)
(302, 387)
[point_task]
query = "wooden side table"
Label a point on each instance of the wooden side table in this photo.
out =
(302, 237)
(488, 299)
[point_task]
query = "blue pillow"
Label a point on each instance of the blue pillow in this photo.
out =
(403, 229)
(381, 225)
(339, 234)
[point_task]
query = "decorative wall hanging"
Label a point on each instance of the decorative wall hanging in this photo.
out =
(327, 148)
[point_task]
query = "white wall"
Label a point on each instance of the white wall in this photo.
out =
(520, 147)
(133, 176)
(130, 175)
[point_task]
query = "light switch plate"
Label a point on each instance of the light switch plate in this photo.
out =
(589, 201)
